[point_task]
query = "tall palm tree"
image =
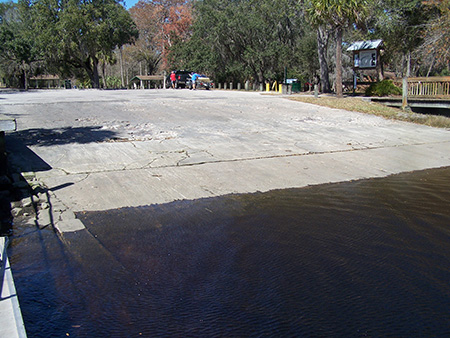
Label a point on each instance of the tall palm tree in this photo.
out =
(339, 14)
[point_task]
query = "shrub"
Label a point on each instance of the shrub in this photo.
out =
(113, 82)
(383, 88)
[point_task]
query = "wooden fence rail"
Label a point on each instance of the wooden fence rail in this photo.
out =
(429, 86)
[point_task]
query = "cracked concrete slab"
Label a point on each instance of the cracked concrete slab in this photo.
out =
(69, 225)
(112, 149)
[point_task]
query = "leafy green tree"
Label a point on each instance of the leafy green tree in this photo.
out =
(308, 62)
(436, 39)
(401, 25)
(339, 14)
(18, 54)
(243, 39)
(160, 22)
(147, 49)
(74, 34)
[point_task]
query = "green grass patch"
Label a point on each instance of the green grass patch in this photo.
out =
(357, 104)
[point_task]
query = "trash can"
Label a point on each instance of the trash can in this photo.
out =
(296, 87)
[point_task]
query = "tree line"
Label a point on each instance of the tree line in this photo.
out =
(102, 44)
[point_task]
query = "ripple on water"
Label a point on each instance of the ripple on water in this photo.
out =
(367, 257)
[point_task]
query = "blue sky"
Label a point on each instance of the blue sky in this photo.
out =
(128, 3)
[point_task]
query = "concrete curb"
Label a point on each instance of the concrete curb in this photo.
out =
(50, 211)
(11, 321)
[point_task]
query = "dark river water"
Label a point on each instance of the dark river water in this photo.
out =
(363, 258)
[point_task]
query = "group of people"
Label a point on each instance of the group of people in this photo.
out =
(173, 79)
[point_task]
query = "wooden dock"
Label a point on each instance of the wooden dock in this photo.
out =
(414, 102)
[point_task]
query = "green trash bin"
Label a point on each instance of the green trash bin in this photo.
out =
(296, 87)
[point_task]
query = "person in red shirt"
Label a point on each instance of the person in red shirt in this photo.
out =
(173, 79)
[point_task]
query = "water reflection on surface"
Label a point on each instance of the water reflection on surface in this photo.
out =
(360, 258)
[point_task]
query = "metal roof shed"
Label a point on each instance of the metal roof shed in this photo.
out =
(365, 45)
(45, 81)
(367, 55)
(143, 81)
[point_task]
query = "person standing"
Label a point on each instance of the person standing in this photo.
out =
(194, 80)
(173, 79)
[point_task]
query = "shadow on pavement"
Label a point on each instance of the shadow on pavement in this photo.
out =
(22, 161)
(59, 136)
(21, 158)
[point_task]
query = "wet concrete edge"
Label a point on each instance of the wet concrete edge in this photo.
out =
(11, 321)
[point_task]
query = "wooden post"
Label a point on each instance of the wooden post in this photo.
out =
(405, 93)
(379, 67)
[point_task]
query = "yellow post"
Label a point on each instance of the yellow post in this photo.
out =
(267, 87)
(280, 88)
(274, 86)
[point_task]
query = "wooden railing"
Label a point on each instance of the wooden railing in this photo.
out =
(429, 86)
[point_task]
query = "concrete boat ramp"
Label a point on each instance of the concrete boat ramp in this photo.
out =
(99, 150)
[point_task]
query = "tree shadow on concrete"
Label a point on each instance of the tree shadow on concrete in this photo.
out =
(59, 136)
(22, 159)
